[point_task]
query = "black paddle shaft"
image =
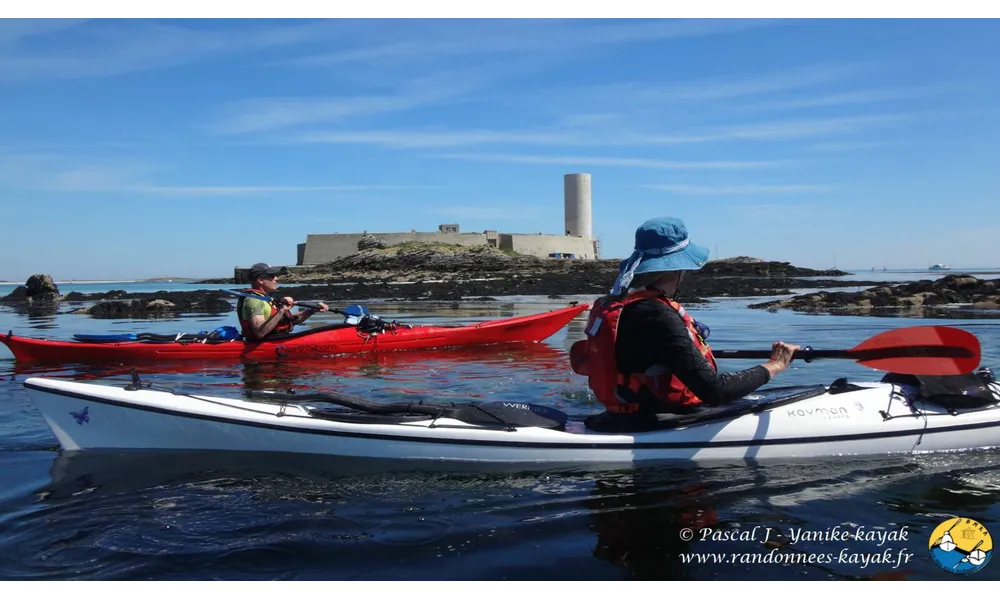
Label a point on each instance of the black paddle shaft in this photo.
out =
(302, 303)
(315, 305)
(807, 354)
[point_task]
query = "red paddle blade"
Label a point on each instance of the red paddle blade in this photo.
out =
(923, 350)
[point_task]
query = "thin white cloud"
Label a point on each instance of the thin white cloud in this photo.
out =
(870, 96)
(436, 138)
(258, 115)
(770, 131)
(736, 190)
(106, 48)
(243, 190)
(431, 41)
(848, 146)
(597, 135)
(266, 114)
(772, 212)
(661, 99)
(726, 88)
(58, 174)
(13, 31)
(609, 161)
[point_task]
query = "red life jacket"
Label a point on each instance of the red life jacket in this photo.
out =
(284, 325)
(620, 392)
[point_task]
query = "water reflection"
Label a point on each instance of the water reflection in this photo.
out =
(408, 372)
(40, 317)
(631, 520)
(746, 521)
(36, 312)
(639, 518)
(405, 371)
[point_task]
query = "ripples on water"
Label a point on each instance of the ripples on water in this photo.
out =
(181, 515)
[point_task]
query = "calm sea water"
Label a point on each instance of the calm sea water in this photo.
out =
(221, 516)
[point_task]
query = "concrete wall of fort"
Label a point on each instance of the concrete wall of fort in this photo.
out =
(545, 244)
(327, 247)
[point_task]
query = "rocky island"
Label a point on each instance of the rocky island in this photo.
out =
(950, 296)
(420, 271)
(414, 271)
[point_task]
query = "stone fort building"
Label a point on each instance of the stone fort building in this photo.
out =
(577, 242)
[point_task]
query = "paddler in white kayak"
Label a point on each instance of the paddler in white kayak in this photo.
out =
(643, 352)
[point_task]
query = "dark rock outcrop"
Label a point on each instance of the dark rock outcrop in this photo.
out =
(39, 288)
(40, 294)
(746, 266)
(953, 295)
(162, 304)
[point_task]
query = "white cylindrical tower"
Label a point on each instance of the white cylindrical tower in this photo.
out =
(576, 190)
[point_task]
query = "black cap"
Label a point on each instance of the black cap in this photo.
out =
(264, 269)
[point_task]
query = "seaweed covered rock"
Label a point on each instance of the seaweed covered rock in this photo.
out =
(952, 294)
(140, 308)
(39, 288)
(749, 266)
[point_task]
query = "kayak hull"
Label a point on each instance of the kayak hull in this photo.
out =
(874, 419)
(322, 341)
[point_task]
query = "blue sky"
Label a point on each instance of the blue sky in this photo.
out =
(142, 148)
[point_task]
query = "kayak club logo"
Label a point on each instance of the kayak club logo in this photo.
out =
(961, 546)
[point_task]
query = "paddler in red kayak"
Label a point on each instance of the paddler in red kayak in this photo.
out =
(644, 353)
(262, 317)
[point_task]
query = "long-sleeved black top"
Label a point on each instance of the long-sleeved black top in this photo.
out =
(650, 333)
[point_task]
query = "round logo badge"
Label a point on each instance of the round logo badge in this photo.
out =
(960, 545)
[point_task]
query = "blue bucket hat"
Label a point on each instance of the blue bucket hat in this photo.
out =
(661, 244)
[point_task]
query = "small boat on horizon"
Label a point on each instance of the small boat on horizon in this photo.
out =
(938, 267)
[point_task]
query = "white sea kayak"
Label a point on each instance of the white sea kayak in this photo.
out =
(843, 418)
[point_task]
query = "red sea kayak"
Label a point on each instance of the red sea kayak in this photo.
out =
(320, 341)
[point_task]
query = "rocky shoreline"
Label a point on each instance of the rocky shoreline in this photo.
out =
(442, 273)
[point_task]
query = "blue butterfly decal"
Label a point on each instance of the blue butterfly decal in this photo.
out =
(82, 416)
